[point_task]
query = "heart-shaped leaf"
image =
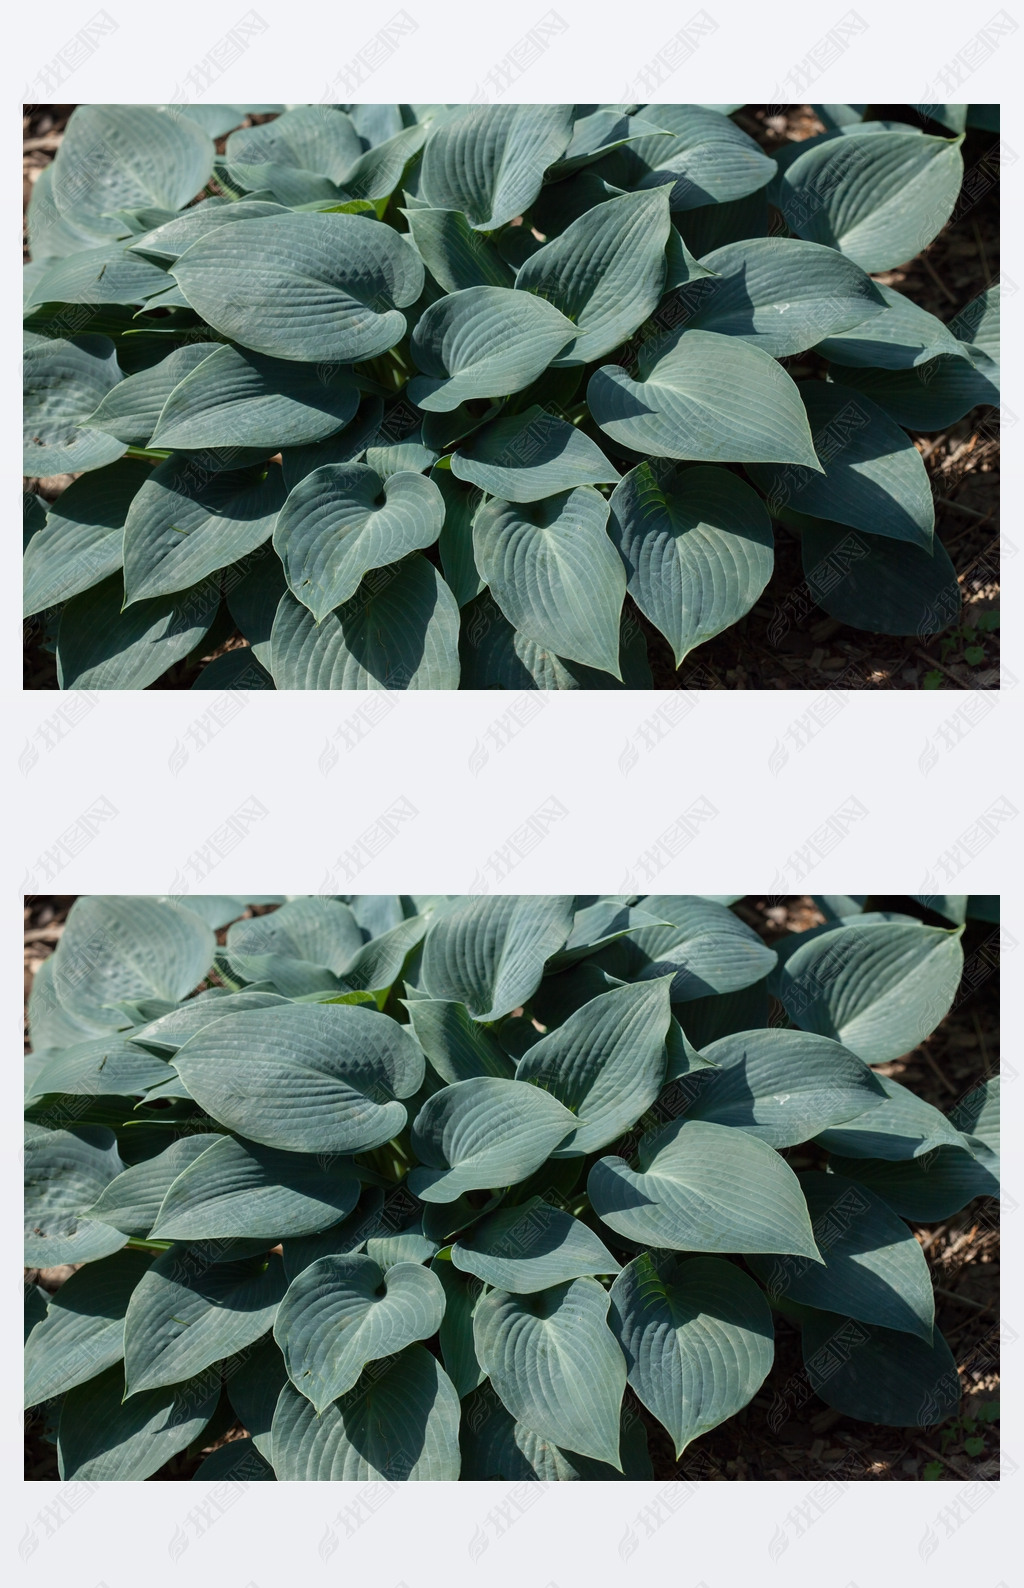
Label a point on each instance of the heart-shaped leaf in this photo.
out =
(606, 272)
(495, 1446)
(530, 1247)
(482, 1133)
(878, 989)
(873, 477)
(489, 953)
(556, 1364)
(115, 157)
(400, 1423)
(902, 338)
(185, 523)
(80, 542)
(317, 1078)
(82, 1331)
(874, 1271)
(698, 548)
(526, 456)
(483, 342)
(131, 1201)
(342, 521)
(706, 396)
(65, 1171)
(235, 398)
(902, 1127)
(64, 382)
(872, 582)
(698, 1340)
(606, 1063)
(496, 656)
(128, 946)
(880, 1375)
(101, 646)
(102, 1437)
(704, 1188)
(489, 160)
(708, 159)
(399, 631)
(188, 1312)
(342, 1312)
(784, 1086)
(322, 288)
(238, 1188)
(706, 947)
(555, 574)
(303, 946)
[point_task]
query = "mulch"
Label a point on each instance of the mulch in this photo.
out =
(817, 652)
(813, 1442)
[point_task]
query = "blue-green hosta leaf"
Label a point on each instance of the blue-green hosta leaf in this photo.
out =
(875, 1271)
(342, 521)
(302, 947)
(879, 989)
(400, 1423)
(555, 1364)
(781, 294)
(977, 329)
(169, 1032)
(483, 342)
(598, 924)
(530, 1247)
(481, 1133)
(901, 338)
(235, 398)
(872, 582)
(706, 1020)
(132, 1200)
(902, 1127)
(555, 574)
(597, 134)
(489, 160)
(873, 477)
(490, 953)
(705, 396)
(318, 138)
(784, 1086)
(99, 275)
(102, 1437)
(455, 1335)
(924, 1189)
(606, 272)
(379, 962)
(317, 1078)
(82, 1332)
(399, 631)
(880, 1375)
(347, 446)
(526, 456)
(81, 541)
(64, 381)
(698, 1340)
(704, 1188)
(102, 1066)
(254, 1379)
(878, 199)
(698, 548)
(977, 1115)
(116, 947)
(185, 523)
(367, 1218)
(496, 656)
(456, 255)
(130, 410)
(50, 1024)
(401, 457)
(326, 289)
(239, 1461)
(343, 1312)
(495, 1446)
(930, 397)
(455, 544)
(606, 1063)
(712, 226)
(707, 160)
(169, 242)
(455, 1044)
(708, 949)
(115, 157)
(100, 646)
(52, 235)
(65, 1171)
(238, 1188)
(188, 1312)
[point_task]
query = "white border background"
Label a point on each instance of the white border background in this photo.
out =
(780, 792)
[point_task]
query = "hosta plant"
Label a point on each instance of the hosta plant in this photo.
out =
(490, 1187)
(426, 397)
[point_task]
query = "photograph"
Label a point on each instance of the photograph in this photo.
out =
(512, 1188)
(499, 396)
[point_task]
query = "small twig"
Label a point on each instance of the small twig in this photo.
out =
(926, 262)
(965, 1301)
(984, 257)
(933, 661)
(942, 1079)
(968, 512)
(947, 1461)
